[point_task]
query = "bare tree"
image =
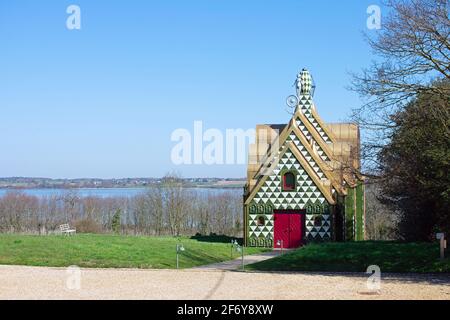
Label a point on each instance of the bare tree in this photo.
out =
(154, 200)
(70, 200)
(413, 48)
(165, 209)
(381, 221)
(176, 202)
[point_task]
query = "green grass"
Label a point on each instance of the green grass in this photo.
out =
(357, 256)
(110, 251)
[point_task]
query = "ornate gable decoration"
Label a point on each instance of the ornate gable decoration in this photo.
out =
(310, 139)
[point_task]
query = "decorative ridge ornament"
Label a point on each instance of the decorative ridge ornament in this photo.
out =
(304, 85)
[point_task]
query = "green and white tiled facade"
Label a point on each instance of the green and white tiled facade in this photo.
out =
(306, 103)
(308, 136)
(293, 137)
(270, 197)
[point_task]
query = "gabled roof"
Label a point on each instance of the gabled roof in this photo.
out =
(292, 127)
(314, 133)
(315, 144)
(322, 125)
(290, 146)
(322, 165)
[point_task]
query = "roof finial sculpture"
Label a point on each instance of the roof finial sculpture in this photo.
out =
(304, 84)
(305, 87)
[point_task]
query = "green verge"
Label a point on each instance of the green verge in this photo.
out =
(112, 251)
(357, 256)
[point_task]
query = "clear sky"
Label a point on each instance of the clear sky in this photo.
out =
(103, 101)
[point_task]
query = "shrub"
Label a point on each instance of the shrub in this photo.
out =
(115, 223)
(88, 226)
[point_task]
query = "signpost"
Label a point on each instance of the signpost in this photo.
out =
(180, 248)
(232, 248)
(442, 243)
(280, 244)
(240, 249)
(243, 264)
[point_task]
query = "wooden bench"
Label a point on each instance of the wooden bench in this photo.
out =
(65, 229)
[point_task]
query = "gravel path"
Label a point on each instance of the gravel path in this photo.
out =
(18, 282)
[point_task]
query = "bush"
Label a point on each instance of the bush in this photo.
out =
(87, 226)
(115, 223)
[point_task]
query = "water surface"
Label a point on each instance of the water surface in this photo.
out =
(109, 192)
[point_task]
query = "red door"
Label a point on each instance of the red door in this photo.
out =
(282, 222)
(288, 228)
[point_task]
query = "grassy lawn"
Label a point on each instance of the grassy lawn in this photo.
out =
(357, 256)
(110, 251)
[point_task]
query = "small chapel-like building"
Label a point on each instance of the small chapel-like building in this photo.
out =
(303, 181)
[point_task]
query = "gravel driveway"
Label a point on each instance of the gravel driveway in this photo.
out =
(18, 282)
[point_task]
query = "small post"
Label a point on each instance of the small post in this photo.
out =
(177, 256)
(243, 264)
(280, 244)
(442, 244)
(231, 248)
(179, 248)
(240, 249)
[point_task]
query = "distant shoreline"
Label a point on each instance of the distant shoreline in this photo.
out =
(119, 187)
(22, 183)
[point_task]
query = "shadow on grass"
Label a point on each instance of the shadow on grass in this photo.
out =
(399, 262)
(216, 238)
(199, 258)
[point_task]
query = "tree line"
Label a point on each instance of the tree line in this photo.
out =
(166, 209)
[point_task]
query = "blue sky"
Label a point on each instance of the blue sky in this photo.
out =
(103, 101)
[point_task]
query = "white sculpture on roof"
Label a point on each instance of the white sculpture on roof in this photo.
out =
(304, 84)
